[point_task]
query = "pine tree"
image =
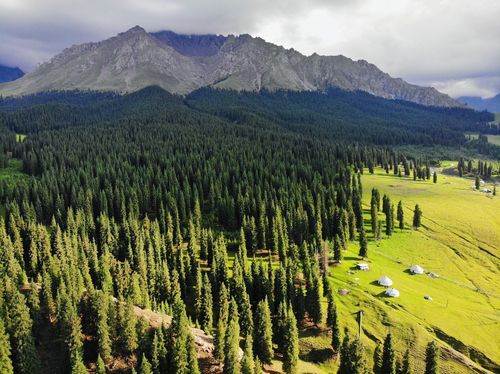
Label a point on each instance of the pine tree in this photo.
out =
(206, 306)
(231, 344)
(20, 330)
(345, 355)
(434, 177)
(290, 345)
(247, 362)
(406, 366)
(388, 357)
(358, 359)
(5, 353)
(103, 337)
(337, 249)
(222, 320)
(417, 217)
(179, 332)
(263, 333)
(100, 366)
(400, 215)
(432, 358)
(477, 182)
(363, 243)
(145, 366)
(193, 366)
(377, 358)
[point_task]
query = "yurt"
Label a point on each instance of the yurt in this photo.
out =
(416, 269)
(392, 292)
(385, 281)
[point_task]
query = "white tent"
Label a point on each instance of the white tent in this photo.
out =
(392, 292)
(416, 269)
(385, 281)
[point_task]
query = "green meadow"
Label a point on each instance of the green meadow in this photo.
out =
(460, 242)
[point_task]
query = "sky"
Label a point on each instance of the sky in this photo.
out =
(453, 45)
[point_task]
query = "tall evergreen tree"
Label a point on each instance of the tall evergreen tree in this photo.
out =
(247, 362)
(231, 344)
(388, 357)
(290, 343)
(263, 333)
(406, 366)
(400, 215)
(432, 358)
(417, 217)
(363, 243)
(5, 353)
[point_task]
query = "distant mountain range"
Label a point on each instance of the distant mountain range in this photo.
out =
(183, 63)
(492, 104)
(8, 74)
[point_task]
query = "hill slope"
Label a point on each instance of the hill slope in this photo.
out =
(181, 64)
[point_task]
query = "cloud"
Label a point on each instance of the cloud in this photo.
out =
(439, 42)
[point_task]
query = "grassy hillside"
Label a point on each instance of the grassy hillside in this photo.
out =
(459, 241)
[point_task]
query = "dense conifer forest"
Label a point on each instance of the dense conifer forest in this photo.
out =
(219, 209)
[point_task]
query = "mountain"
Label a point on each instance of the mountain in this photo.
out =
(492, 104)
(183, 63)
(8, 74)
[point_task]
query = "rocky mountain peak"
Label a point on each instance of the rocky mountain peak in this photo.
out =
(182, 63)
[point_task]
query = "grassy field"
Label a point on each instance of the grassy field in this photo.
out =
(459, 241)
(20, 138)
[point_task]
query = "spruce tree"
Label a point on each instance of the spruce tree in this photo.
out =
(222, 319)
(263, 333)
(345, 355)
(337, 249)
(400, 215)
(231, 344)
(100, 366)
(145, 366)
(432, 358)
(193, 366)
(5, 353)
(290, 343)
(388, 357)
(406, 366)
(247, 362)
(417, 217)
(206, 306)
(377, 358)
(363, 244)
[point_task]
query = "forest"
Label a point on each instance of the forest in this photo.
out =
(219, 209)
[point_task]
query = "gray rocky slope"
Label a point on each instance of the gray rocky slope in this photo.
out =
(180, 64)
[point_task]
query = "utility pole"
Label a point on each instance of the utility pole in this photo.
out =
(360, 323)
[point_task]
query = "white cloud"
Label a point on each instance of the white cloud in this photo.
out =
(443, 42)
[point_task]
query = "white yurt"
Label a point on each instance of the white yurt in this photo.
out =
(385, 281)
(416, 269)
(392, 292)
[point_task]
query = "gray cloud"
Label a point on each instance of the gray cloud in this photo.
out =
(450, 44)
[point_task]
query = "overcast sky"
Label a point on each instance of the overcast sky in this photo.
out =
(453, 45)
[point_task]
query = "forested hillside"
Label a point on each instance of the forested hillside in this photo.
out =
(218, 209)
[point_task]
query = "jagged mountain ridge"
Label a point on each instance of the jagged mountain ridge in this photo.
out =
(491, 104)
(8, 74)
(183, 63)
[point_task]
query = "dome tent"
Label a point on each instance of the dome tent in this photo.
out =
(392, 292)
(416, 269)
(385, 281)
